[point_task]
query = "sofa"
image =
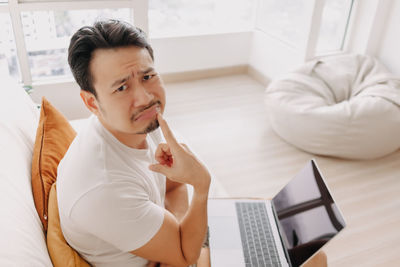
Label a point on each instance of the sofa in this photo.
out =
(22, 241)
(32, 143)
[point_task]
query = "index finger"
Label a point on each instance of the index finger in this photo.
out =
(168, 135)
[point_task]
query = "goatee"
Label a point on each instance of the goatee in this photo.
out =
(151, 127)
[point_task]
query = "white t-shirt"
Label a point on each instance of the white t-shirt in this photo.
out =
(110, 203)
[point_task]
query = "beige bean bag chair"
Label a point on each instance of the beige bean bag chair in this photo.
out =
(344, 106)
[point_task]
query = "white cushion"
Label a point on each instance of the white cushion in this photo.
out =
(345, 106)
(22, 240)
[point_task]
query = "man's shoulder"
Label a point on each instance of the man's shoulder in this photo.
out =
(85, 151)
(105, 196)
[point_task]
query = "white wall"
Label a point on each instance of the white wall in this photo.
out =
(64, 96)
(388, 50)
(271, 57)
(171, 55)
(276, 52)
(374, 30)
(360, 29)
(201, 52)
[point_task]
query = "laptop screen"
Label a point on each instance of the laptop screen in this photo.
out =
(307, 215)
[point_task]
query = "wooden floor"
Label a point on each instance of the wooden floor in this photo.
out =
(225, 122)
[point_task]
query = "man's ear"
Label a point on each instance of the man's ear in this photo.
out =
(90, 101)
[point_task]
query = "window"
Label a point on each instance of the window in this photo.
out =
(36, 49)
(290, 21)
(47, 35)
(8, 55)
(335, 18)
(285, 20)
(193, 17)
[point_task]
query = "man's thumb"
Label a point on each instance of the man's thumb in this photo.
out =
(159, 168)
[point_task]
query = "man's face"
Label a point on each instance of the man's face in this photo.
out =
(129, 90)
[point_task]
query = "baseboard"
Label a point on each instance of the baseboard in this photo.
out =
(258, 76)
(215, 72)
(203, 74)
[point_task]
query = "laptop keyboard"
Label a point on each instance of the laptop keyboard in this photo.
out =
(257, 239)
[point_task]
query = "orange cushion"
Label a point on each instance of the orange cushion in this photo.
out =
(61, 253)
(53, 137)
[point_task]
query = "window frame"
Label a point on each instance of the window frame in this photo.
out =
(140, 9)
(15, 8)
(308, 49)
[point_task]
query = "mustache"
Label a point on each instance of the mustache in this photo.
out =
(150, 105)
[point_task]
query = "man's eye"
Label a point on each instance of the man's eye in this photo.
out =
(122, 88)
(148, 77)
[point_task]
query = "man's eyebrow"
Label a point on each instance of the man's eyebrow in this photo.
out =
(150, 69)
(119, 81)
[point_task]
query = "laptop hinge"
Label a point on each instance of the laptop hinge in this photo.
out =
(278, 225)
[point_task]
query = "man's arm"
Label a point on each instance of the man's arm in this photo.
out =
(179, 243)
(176, 199)
(176, 202)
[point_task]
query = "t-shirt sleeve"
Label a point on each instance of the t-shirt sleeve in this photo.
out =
(119, 213)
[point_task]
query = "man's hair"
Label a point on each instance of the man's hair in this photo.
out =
(103, 34)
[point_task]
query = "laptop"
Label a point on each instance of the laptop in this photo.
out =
(285, 231)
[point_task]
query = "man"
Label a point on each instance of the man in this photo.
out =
(121, 192)
(117, 208)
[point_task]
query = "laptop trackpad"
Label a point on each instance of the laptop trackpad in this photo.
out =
(224, 233)
(225, 242)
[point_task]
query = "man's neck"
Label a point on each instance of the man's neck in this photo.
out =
(133, 141)
(137, 141)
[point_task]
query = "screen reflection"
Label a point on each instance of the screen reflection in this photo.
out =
(307, 214)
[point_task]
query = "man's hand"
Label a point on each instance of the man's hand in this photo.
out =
(178, 163)
(179, 243)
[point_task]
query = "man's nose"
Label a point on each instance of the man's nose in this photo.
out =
(141, 96)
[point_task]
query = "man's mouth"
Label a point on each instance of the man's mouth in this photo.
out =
(148, 113)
